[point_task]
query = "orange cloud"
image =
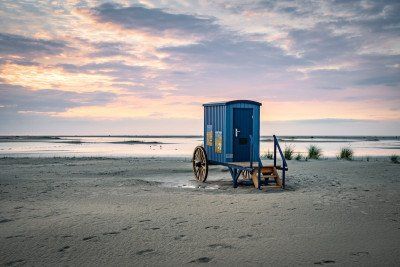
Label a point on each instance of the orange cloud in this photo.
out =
(41, 77)
(133, 106)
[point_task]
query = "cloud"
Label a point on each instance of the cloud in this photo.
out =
(109, 49)
(233, 50)
(18, 98)
(38, 77)
(302, 59)
(373, 16)
(321, 43)
(11, 44)
(388, 80)
(121, 75)
(152, 20)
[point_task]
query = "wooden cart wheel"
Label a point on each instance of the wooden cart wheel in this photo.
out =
(200, 164)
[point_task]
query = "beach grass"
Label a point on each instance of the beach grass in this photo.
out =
(288, 152)
(395, 158)
(314, 152)
(346, 153)
(268, 155)
(298, 156)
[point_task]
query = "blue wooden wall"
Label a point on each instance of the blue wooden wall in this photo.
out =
(220, 116)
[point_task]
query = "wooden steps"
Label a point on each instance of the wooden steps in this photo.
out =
(269, 177)
(271, 172)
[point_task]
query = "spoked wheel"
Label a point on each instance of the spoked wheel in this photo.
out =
(200, 164)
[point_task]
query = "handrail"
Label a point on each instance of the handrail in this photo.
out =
(276, 144)
(251, 151)
(284, 164)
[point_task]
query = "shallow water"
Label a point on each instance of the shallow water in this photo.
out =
(179, 146)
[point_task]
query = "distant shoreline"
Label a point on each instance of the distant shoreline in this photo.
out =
(57, 137)
(49, 146)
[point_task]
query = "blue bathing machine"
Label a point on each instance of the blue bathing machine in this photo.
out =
(232, 131)
(232, 139)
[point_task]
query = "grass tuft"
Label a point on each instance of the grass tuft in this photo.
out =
(298, 156)
(346, 153)
(314, 152)
(268, 155)
(288, 152)
(394, 158)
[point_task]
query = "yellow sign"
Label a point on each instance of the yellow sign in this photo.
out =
(209, 138)
(218, 142)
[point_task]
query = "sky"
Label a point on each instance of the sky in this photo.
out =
(146, 67)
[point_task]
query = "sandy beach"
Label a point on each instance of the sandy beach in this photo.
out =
(99, 211)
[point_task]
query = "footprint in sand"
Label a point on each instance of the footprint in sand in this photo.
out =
(66, 236)
(126, 228)
(4, 220)
(179, 237)
(89, 237)
(14, 236)
(145, 251)
(324, 262)
(212, 227)
(360, 253)
(111, 233)
(15, 262)
(201, 260)
(245, 236)
(64, 248)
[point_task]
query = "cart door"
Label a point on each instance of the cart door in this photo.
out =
(242, 129)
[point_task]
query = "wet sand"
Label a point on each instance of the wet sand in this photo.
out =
(97, 211)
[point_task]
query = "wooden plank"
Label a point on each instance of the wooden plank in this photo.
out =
(245, 164)
(254, 177)
(267, 170)
(271, 166)
(277, 178)
(255, 164)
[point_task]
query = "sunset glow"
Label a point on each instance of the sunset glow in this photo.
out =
(85, 62)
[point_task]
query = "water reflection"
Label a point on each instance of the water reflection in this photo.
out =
(179, 146)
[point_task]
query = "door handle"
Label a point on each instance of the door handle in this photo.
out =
(236, 132)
